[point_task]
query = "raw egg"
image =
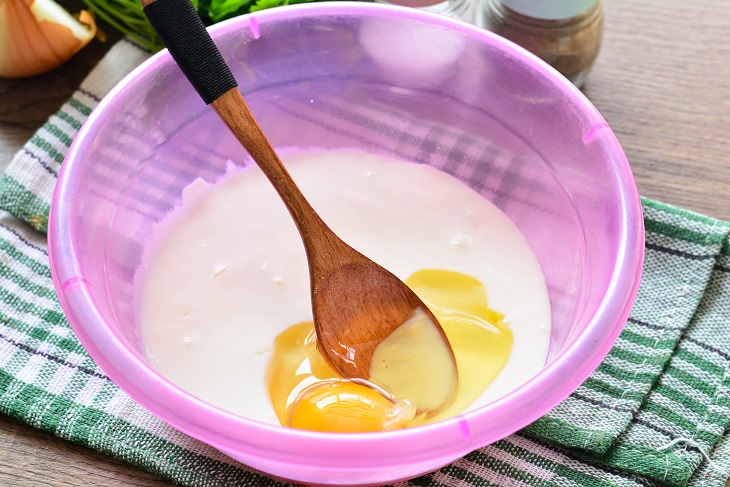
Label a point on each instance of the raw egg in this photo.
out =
(306, 393)
(344, 406)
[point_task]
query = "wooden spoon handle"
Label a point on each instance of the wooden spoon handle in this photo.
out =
(183, 33)
(232, 108)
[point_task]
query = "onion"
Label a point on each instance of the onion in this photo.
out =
(39, 35)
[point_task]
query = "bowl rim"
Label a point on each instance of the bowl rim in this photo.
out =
(447, 439)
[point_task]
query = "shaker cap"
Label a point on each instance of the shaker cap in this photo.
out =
(549, 9)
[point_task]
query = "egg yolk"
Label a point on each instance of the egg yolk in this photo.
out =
(307, 393)
(344, 406)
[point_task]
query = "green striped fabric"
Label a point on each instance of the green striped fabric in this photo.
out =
(681, 249)
(655, 412)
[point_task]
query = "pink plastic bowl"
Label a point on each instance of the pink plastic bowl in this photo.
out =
(387, 80)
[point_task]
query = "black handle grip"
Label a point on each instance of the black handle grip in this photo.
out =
(181, 29)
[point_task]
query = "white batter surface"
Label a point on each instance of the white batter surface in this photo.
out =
(227, 272)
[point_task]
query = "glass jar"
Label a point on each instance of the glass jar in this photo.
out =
(459, 9)
(566, 34)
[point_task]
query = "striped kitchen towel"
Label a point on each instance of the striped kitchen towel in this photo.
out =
(655, 412)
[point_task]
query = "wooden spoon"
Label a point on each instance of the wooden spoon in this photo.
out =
(356, 303)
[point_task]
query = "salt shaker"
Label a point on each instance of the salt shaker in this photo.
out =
(565, 33)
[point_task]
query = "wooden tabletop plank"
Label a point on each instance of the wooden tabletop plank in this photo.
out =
(662, 82)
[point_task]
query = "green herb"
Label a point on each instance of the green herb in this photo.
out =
(127, 16)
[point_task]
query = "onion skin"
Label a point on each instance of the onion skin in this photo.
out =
(37, 36)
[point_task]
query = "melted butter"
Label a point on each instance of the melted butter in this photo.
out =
(479, 336)
(414, 363)
(301, 383)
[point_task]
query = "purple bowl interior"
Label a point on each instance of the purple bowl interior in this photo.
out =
(441, 93)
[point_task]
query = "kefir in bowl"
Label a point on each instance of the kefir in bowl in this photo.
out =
(450, 156)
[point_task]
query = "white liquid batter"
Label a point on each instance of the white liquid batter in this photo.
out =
(227, 272)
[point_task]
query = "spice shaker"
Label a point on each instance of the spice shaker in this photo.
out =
(565, 33)
(459, 9)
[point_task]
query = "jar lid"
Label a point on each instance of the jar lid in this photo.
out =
(549, 9)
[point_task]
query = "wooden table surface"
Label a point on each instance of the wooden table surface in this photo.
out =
(662, 82)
